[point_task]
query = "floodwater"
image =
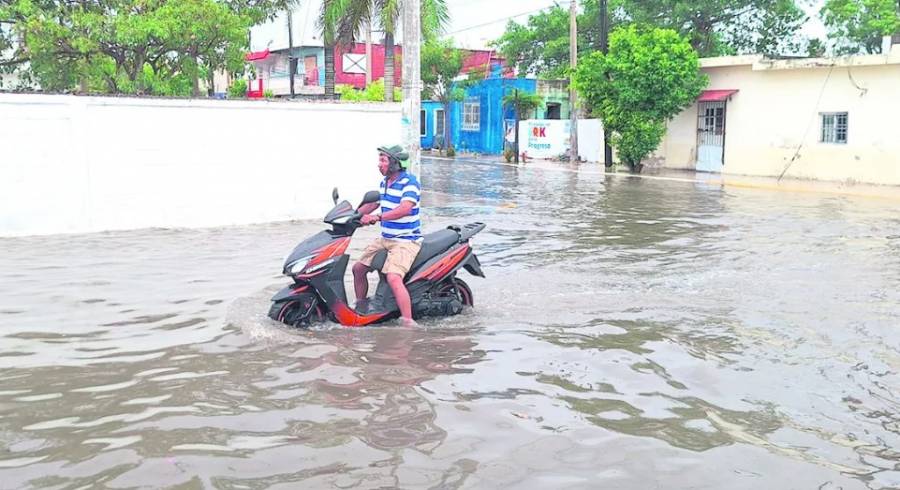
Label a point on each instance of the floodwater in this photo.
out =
(631, 333)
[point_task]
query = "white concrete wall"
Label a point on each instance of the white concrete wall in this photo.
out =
(590, 140)
(82, 164)
(554, 141)
(777, 111)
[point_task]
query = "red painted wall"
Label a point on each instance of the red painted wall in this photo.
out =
(358, 80)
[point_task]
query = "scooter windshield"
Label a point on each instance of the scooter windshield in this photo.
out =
(342, 209)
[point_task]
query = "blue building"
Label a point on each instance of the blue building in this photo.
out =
(478, 123)
(432, 124)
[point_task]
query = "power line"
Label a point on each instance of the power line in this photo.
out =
(809, 125)
(502, 19)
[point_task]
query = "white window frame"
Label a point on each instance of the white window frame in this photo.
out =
(423, 123)
(832, 128)
(471, 115)
(438, 122)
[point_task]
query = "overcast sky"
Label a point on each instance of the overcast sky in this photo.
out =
(473, 23)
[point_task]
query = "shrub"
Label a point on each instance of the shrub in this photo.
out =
(238, 89)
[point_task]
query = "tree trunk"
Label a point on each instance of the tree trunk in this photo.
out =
(136, 75)
(388, 67)
(516, 109)
(517, 137)
(196, 72)
(292, 66)
(329, 70)
(447, 134)
(211, 80)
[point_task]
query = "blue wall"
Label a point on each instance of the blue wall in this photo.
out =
(302, 52)
(489, 93)
(429, 107)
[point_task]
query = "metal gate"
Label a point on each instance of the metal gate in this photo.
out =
(711, 136)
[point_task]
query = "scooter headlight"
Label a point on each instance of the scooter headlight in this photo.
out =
(300, 264)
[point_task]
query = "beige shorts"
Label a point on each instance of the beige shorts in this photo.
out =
(401, 255)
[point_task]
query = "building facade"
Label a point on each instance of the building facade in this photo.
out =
(480, 122)
(555, 95)
(813, 118)
(273, 69)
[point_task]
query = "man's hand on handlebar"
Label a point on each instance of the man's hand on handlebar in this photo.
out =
(370, 219)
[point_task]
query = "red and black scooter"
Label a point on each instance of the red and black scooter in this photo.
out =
(317, 266)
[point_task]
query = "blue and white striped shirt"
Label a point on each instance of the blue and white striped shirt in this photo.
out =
(405, 188)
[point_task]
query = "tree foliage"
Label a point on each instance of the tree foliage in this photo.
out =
(857, 26)
(441, 65)
(720, 27)
(522, 103)
(714, 27)
(161, 47)
(342, 21)
(541, 47)
(648, 76)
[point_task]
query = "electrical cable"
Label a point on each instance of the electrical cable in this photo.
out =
(808, 126)
(555, 4)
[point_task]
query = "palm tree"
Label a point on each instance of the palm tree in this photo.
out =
(346, 18)
(328, 22)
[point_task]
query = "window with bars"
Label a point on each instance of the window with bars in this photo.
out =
(834, 127)
(471, 115)
(439, 122)
(422, 123)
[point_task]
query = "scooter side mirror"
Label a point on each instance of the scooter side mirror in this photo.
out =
(334, 195)
(371, 197)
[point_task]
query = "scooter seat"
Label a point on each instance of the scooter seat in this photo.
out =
(434, 244)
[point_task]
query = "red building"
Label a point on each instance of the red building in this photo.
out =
(350, 64)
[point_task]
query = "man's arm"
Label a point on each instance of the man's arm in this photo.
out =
(408, 201)
(368, 208)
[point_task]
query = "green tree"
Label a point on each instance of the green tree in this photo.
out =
(128, 46)
(11, 57)
(522, 104)
(857, 26)
(441, 66)
(648, 76)
(344, 20)
(541, 47)
(714, 27)
(719, 27)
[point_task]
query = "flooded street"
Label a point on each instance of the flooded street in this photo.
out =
(631, 333)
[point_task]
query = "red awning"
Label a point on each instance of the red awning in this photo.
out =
(715, 95)
(257, 55)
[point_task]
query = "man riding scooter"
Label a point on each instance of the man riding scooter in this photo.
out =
(401, 233)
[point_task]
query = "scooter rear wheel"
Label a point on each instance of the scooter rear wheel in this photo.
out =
(459, 288)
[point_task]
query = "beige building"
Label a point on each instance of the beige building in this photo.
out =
(827, 119)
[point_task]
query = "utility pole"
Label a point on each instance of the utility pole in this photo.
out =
(412, 84)
(292, 64)
(516, 108)
(604, 48)
(573, 61)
